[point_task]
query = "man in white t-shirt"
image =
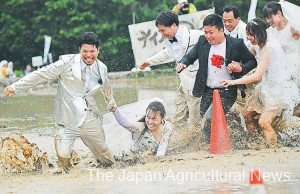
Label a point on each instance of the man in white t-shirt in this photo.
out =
(220, 56)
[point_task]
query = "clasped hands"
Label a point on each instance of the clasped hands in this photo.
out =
(231, 67)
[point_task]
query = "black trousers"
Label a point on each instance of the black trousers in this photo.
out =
(228, 98)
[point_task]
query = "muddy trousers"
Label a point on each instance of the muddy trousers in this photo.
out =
(187, 107)
(92, 135)
(228, 98)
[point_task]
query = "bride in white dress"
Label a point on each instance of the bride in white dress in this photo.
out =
(276, 93)
(278, 15)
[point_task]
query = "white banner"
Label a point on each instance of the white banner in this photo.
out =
(146, 40)
(37, 61)
(46, 48)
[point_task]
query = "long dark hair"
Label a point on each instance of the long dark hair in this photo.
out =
(155, 106)
(271, 8)
(257, 28)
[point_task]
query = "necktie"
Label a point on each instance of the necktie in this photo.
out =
(173, 40)
(87, 78)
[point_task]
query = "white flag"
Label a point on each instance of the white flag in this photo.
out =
(46, 48)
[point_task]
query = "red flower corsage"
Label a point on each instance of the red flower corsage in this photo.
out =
(217, 60)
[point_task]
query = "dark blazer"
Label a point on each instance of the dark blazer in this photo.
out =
(236, 50)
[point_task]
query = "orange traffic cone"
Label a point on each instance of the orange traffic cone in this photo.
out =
(256, 182)
(219, 135)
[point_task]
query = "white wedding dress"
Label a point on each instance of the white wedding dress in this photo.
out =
(290, 46)
(277, 90)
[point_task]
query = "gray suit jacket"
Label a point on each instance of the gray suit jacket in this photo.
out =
(236, 50)
(189, 40)
(71, 103)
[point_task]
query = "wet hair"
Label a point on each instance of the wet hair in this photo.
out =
(155, 106)
(271, 8)
(88, 38)
(167, 18)
(257, 28)
(234, 9)
(214, 20)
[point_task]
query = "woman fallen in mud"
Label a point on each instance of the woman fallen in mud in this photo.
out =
(154, 131)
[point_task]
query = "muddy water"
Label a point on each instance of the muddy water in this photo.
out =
(33, 110)
(32, 113)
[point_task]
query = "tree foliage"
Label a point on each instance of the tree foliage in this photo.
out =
(25, 23)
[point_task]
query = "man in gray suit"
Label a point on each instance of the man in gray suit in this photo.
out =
(220, 57)
(76, 113)
(181, 41)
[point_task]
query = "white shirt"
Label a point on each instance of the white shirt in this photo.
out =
(215, 74)
(95, 77)
(177, 46)
(239, 32)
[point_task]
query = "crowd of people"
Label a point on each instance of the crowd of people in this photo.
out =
(221, 56)
(7, 70)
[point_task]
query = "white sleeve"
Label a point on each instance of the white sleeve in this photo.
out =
(160, 57)
(124, 122)
(48, 72)
(163, 145)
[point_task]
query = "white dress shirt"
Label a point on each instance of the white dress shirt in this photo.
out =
(94, 78)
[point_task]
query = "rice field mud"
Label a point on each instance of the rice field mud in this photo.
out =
(188, 167)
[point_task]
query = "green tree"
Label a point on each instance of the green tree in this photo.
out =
(25, 23)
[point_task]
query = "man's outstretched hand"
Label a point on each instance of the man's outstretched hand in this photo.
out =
(143, 65)
(9, 91)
